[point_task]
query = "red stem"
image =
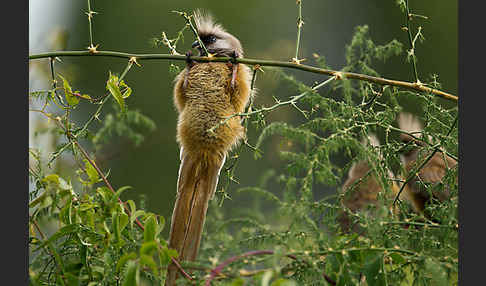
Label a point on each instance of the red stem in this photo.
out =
(86, 156)
(181, 269)
(123, 204)
(217, 270)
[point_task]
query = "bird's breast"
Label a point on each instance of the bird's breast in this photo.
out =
(208, 102)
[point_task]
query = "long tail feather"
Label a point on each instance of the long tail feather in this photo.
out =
(197, 182)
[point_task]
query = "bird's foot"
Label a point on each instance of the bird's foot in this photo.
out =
(190, 63)
(234, 56)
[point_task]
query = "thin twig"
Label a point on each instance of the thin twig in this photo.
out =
(103, 177)
(454, 157)
(412, 43)
(432, 225)
(217, 270)
(54, 84)
(300, 23)
(256, 68)
(176, 263)
(341, 251)
(90, 16)
(419, 87)
(167, 42)
(193, 29)
(38, 229)
(104, 100)
(278, 104)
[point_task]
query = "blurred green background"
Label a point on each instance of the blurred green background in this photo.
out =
(267, 30)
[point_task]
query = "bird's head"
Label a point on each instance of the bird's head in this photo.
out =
(217, 41)
(410, 124)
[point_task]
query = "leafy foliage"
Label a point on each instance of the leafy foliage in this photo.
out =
(95, 239)
(309, 246)
(82, 233)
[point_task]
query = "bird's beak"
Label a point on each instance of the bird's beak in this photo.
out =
(195, 44)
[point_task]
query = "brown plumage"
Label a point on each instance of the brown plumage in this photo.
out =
(361, 189)
(433, 171)
(204, 94)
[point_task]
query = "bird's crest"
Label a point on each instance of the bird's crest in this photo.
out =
(206, 25)
(409, 122)
(373, 140)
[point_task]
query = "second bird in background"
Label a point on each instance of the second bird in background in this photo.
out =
(362, 188)
(431, 173)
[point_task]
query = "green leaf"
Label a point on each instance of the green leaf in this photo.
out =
(123, 221)
(135, 215)
(150, 228)
(266, 277)
(132, 273)
(86, 206)
(64, 186)
(165, 254)
(128, 90)
(172, 253)
(160, 225)
(397, 258)
(148, 248)
(105, 194)
(91, 172)
(283, 282)
(114, 199)
(71, 99)
(112, 86)
(123, 260)
(54, 178)
(65, 213)
(373, 270)
(85, 96)
(84, 259)
(435, 272)
(132, 206)
(238, 282)
(63, 231)
(106, 229)
(149, 261)
(44, 201)
(71, 279)
(116, 228)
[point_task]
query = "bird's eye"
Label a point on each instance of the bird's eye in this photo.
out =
(211, 39)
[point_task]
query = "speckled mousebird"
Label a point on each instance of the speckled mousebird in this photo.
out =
(432, 172)
(205, 93)
(362, 187)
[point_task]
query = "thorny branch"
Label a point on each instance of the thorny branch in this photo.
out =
(419, 87)
(278, 104)
(90, 14)
(300, 23)
(411, 52)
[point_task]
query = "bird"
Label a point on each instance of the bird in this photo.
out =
(361, 188)
(205, 95)
(432, 172)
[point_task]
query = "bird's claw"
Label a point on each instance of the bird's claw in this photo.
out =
(190, 63)
(234, 56)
